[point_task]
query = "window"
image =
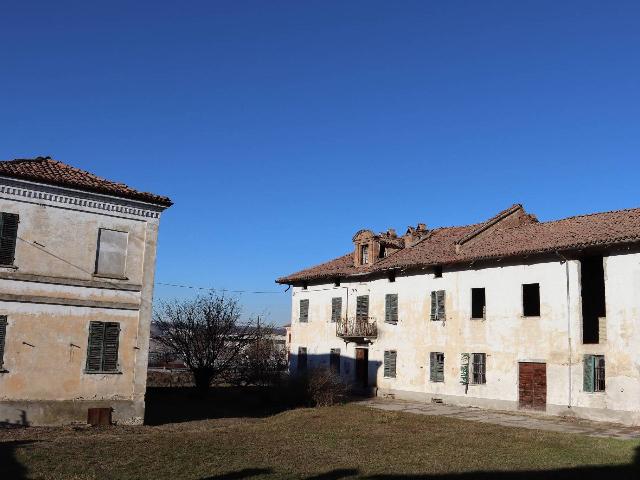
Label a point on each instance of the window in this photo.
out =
(364, 254)
(3, 337)
(362, 308)
(531, 299)
(383, 252)
(478, 368)
(437, 271)
(437, 305)
(390, 357)
(304, 310)
(102, 347)
(111, 259)
(391, 308)
(302, 360)
(436, 367)
(336, 283)
(478, 303)
(8, 235)
(593, 300)
(334, 361)
(594, 373)
(336, 309)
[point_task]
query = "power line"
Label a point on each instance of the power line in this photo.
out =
(193, 287)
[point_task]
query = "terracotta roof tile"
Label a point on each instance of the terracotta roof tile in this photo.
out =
(439, 246)
(52, 172)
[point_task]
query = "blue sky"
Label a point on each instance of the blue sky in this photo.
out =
(281, 128)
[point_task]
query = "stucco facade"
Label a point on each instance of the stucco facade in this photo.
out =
(554, 340)
(54, 290)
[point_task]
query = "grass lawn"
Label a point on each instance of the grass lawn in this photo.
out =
(348, 441)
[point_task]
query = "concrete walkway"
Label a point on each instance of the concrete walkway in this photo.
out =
(509, 419)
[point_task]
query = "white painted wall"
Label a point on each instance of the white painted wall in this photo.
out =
(505, 335)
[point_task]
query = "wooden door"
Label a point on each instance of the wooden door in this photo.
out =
(532, 385)
(362, 367)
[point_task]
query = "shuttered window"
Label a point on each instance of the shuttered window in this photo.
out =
(8, 235)
(478, 368)
(302, 359)
(594, 373)
(436, 367)
(304, 310)
(362, 308)
(3, 337)
(102, 347)
(437, 305)
(391, 308)
(334, 361)
(336, 309)
(390, 357)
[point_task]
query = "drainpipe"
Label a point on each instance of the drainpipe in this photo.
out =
(566, 267)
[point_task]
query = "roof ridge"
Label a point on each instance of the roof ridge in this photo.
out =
(621, 210)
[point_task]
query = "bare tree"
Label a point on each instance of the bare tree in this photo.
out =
(262, 361)
(205, 332)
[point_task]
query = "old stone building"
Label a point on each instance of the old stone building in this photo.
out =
(77, 260)
(508, 313)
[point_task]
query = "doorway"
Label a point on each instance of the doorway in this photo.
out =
(532, 385)
(362, 367)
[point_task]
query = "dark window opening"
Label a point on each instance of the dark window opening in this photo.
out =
(437, 271)
(383, 252)
(478, 303)
(593, 298)
(531, 299)
(302, 359)
(334, 361)
(336, 283)
(392, 277)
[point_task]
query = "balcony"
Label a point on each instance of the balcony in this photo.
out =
(357, 330)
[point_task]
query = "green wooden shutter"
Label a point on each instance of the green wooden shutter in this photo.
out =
(393, 355)
(588, 374)
(8, 235)
(432, 366)
(362, 308)
(434, 306)
(110, 349)
(391, 308)
(95, 346)
(440, 301)
(336, 309)
(386, 363)
(304, 310)
(3, 337)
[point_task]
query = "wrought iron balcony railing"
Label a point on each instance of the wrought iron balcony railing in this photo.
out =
(357, 328)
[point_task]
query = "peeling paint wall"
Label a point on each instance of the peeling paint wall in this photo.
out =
(52, 294)
(555, 337)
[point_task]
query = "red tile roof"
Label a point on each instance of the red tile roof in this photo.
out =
(442, 246)
(52, 172)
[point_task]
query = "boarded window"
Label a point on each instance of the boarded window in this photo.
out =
(334, 361)
(3, 337)
(8, 235)
(336, 309)
(478, 303)
(102, 347)
(531, 300)
(112, 253)
(436, 367)
(478, 368)
(437, 305)
(302, 359)
(304, 310)
(594, 373)
(391, 308)
(362, 308)
(390, 357)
